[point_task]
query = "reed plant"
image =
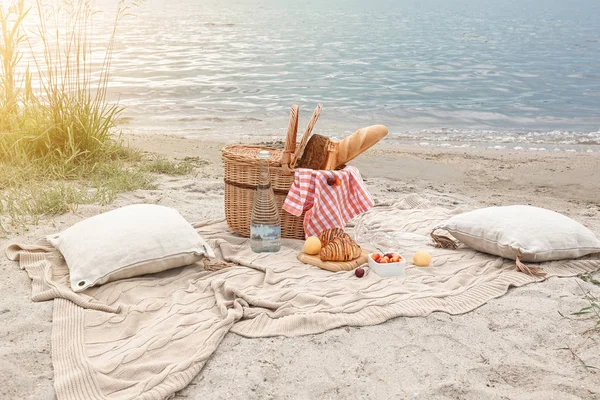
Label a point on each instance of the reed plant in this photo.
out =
(67, 119)
(58, 142)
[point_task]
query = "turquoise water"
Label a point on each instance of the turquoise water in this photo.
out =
(498, 71)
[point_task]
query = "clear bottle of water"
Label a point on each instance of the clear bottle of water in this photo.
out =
(265, 220)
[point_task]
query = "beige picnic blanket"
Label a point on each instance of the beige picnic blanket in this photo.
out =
(148, 337)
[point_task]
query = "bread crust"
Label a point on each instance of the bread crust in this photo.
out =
(340, 246)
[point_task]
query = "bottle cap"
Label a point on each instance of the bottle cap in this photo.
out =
(263, 155)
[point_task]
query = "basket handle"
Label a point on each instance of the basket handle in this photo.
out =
(290, 138)
(304, 140)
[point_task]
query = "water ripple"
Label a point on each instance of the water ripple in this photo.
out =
(499, 65)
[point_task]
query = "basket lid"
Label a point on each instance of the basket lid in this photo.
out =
(250, 154)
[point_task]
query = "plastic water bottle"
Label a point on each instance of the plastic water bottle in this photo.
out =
(265, 220)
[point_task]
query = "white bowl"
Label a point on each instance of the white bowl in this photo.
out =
(389, 269)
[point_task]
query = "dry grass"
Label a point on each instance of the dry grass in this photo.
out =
(593, 309)
(159, 164)
(30, 191)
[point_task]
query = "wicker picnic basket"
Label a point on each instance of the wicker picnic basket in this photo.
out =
(241, 178)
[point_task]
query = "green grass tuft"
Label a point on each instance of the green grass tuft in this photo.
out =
(114, 178)
(24, 205)
(162, 165)
(593, 310)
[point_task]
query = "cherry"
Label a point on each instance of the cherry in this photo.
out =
(359, 272)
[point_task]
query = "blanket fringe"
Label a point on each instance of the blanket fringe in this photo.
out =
(529, 270)
(443, 242)
(215, 265)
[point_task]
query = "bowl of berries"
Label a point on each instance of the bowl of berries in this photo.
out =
(387, 264)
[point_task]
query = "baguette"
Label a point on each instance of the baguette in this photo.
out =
(331, 159)
(359, 142)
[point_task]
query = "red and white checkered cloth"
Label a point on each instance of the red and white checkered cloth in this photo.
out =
(327, 206)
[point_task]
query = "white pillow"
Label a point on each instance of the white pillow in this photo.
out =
(129, 241)
(524, 232)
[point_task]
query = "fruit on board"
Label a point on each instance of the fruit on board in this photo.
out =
(386, 258)
(359, 272)
(331, 181)
(312, 245)
(422, 259)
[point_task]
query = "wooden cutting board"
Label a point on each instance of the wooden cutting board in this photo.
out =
(334, 266)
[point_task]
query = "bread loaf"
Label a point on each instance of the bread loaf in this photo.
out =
(359, 142)
(315, 153)
(340, 249)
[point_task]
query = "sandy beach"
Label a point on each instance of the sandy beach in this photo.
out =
(524, 345)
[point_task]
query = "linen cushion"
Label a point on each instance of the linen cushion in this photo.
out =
(529, 233)
(129, 241)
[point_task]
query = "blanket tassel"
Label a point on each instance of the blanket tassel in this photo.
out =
(529, 270)
(215, 265)
(443, 242)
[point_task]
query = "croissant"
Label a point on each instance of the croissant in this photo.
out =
(340, 249)
(329, 234)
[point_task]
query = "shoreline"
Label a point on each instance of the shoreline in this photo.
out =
(563, 181)
(555, 140)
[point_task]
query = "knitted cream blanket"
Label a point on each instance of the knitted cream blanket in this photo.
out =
(148, 337)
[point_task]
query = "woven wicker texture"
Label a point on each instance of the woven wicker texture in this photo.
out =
(242, 170)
